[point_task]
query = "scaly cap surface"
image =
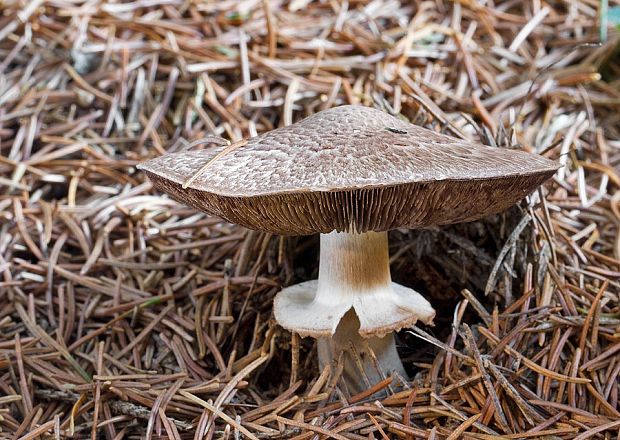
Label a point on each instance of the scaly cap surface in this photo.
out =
(351, 168)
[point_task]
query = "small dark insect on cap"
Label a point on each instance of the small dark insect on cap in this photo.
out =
(350, 168)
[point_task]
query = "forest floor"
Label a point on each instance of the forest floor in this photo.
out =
(124, 314)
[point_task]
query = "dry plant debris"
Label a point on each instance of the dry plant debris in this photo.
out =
(125, 314)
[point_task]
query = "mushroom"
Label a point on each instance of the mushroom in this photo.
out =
(350, 173)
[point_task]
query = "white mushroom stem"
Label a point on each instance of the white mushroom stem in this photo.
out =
(355, 265)
(353, 308)
(352, 265)
(365, 362)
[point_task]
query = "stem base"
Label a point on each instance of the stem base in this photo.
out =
(365, 361)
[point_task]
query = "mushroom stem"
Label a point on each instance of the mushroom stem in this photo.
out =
(355, 265)
(353, 308)
(365, 362)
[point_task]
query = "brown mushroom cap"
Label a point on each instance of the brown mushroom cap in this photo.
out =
(351, 168)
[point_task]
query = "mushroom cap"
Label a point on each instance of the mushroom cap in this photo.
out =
(350, 168)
